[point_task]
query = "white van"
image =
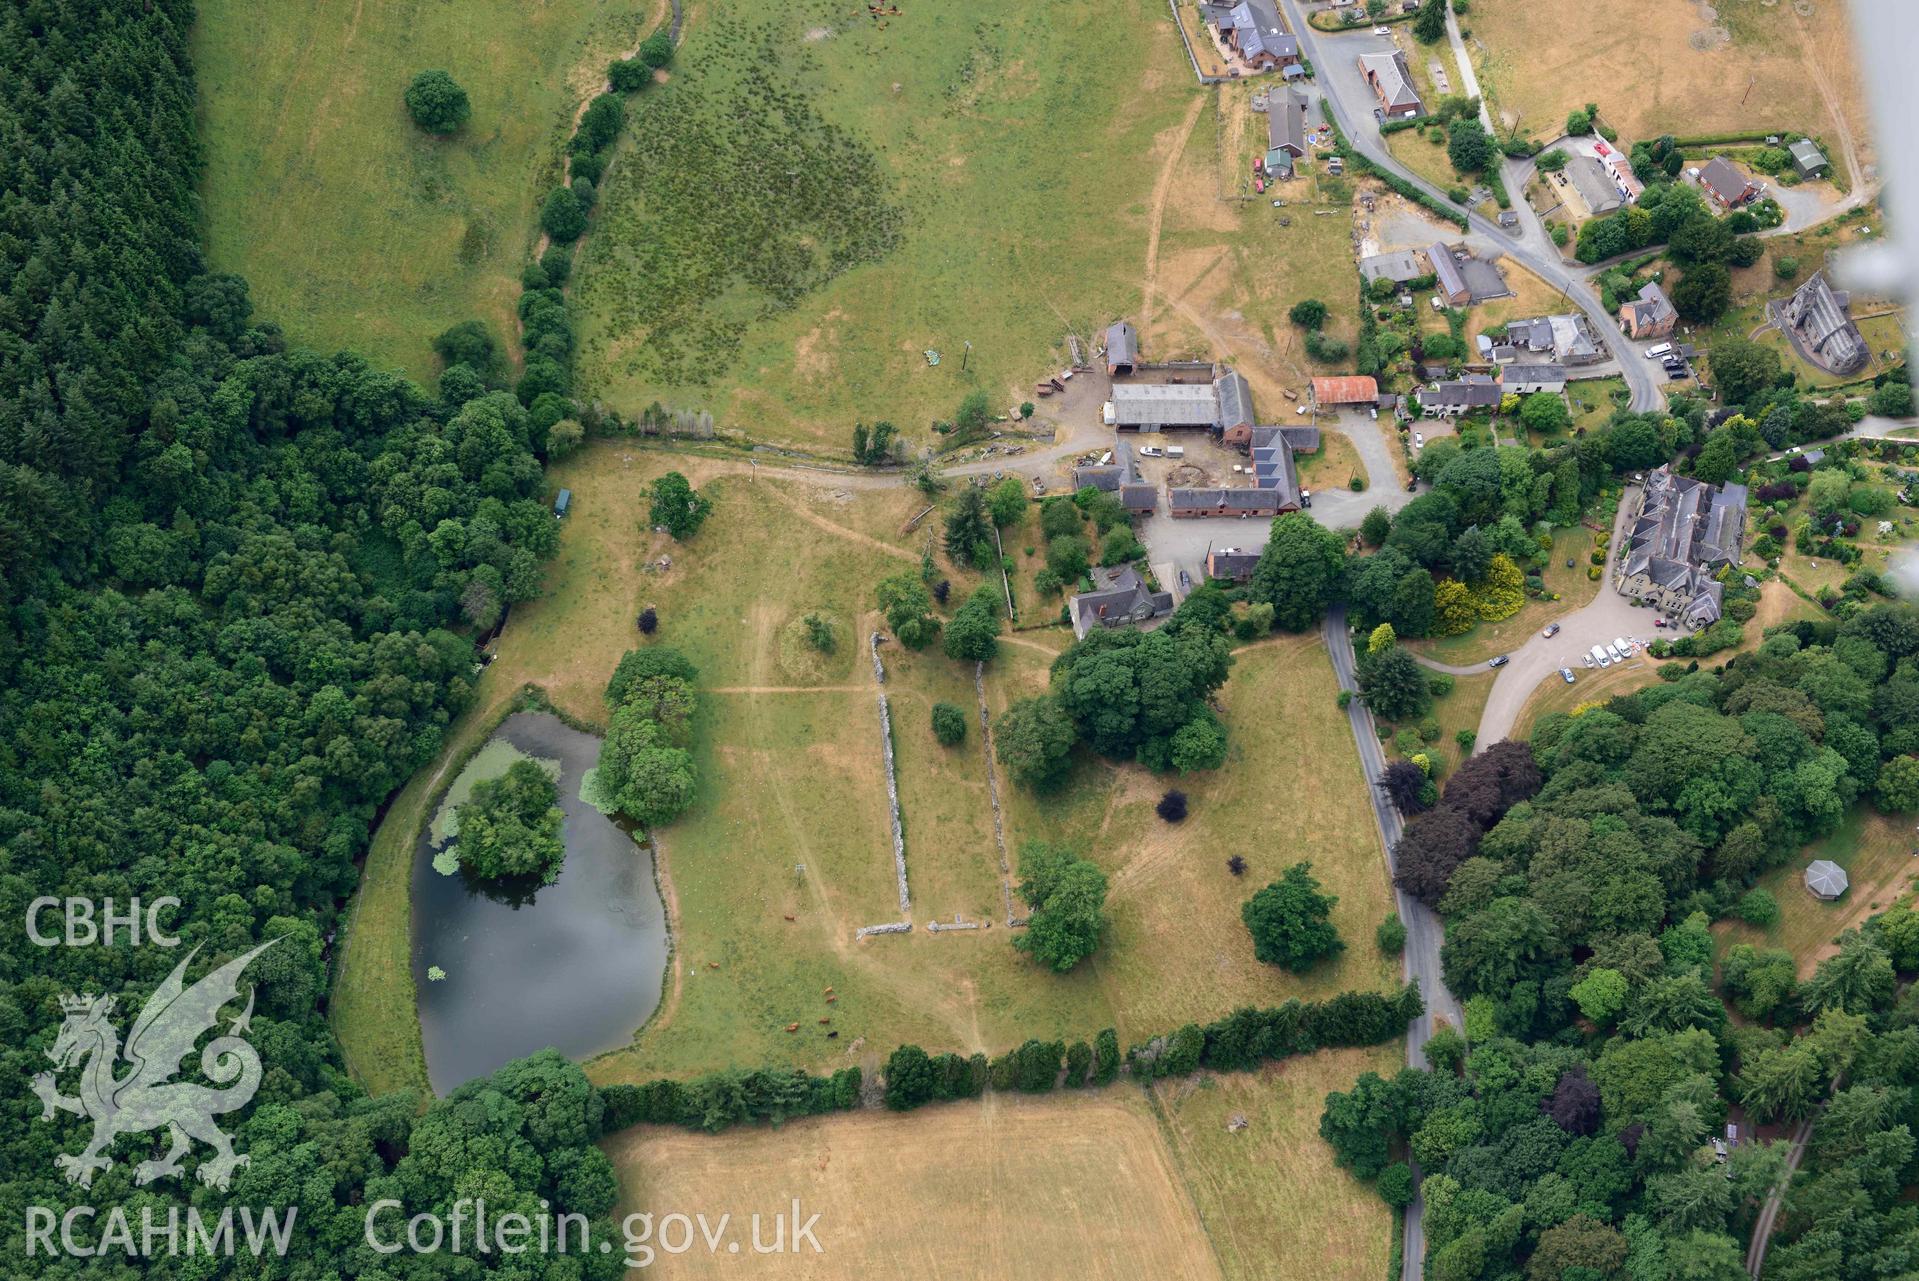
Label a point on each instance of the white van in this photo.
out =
(1654, 353)
(1612, 652)
(1599, 656)
(1625, 647)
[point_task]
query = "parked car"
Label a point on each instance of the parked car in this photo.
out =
(1658, 622)
(1151, 451)
(1499, 660)
(1552, 630)
(1382, 31)
(1567, 674)
(1419, 440)
(1654, 353)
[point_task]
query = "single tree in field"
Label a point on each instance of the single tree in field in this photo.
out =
(1290, 921)
(1308, 313)
(677, 507)
(949, 724)
(1172, 806)
(1236, 865)
(649, 621)
(1068, 898)
(437, 103)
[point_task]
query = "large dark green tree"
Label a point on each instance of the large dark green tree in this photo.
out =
(1291, 921)
(437, 103)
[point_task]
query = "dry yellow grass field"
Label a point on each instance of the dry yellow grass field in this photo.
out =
(1103, 1184)
(1763, 67)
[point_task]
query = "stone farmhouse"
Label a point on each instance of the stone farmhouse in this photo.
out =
(1120, 598)
(1685, 532)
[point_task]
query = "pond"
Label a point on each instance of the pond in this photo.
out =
(576, 965)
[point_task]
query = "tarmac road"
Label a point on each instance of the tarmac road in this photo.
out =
(1352, 108)
(1424, 931)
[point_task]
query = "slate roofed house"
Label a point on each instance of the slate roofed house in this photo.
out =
(1808, 159)
(1460, 396)
(1452, 284)
(1120, 598)
(1285, 130)
(1139, 499)
(1253, 29)
(1524, 380)
(1651, 315)
(1595, 186)
(1822, 328)
(1685, 532)
(1122, 347)
(1569, 338)
(1722, 180)
(1231, 564)
(1392, 84)
(1347, 389)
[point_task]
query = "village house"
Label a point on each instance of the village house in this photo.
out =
(1392, 84)
(1524, 380)
(1285, 130)
(1722, 180)
(1821, 327)
(1231, 564)
(1459, 396)
(1252, 29)
(1120, 598)
(1684, 533)
(1568, 339)
(1651, 315)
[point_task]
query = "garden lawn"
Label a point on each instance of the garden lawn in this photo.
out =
(1877, 853)
(1594, 400)
(355, 229)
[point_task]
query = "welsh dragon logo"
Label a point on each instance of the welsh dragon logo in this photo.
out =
(145, 1097)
